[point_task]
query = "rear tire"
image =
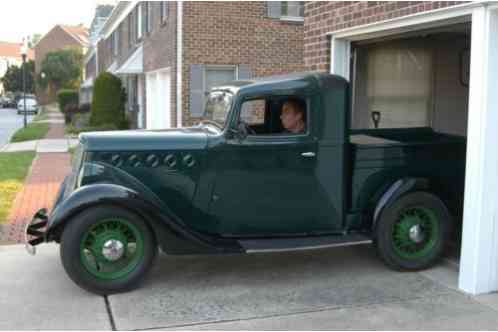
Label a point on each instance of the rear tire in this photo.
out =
(107, 249)
(411, 233)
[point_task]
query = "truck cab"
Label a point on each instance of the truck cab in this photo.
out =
(244, 181)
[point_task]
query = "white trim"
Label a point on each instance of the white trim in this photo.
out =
(423, 20)
(155, 71)
(179, 62)
(134, 64)
(479, 254)
(116, 18)
(297, 19)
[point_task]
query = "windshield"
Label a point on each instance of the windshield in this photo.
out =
(29, 102)
(217, 107)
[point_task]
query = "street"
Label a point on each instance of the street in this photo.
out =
(10, 121)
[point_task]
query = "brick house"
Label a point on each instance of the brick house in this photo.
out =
(59, 37)
(170, 53)
(10, 55)
(90, 59)
(421, 63)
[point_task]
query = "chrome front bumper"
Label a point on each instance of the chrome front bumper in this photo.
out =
(34, 232)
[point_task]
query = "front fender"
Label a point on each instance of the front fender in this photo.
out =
(171, 236)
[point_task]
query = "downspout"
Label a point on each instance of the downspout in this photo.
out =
(179, 51)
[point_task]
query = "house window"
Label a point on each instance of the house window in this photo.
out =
(138, 21)
(148, 16)
(164, 11)
(216, 75)
(115, 41)
(130, 29)
(294, 9)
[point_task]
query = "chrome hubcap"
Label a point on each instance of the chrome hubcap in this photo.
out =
(113, 250)
(416, 234)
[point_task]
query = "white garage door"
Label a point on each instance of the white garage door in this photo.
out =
(158, 99)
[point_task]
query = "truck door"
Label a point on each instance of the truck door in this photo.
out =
(267, 182)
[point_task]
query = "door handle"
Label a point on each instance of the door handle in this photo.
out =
(308, 154)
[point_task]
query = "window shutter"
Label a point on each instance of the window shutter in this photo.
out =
(244, 72)
(274, 9)
(196, 99)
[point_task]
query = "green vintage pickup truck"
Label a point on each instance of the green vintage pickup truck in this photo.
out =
(241, 182)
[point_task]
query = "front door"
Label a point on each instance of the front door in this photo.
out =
(266, 183)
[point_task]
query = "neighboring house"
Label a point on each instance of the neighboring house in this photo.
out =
(10, 55)
(412, 64)
(90, 60)
(169, 54)
(59, 37)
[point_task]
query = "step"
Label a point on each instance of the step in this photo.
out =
(302, 243)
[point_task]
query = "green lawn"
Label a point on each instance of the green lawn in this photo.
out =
(31, 132)
(14, 167)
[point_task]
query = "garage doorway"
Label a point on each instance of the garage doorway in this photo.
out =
(417, 79)
(158, 96)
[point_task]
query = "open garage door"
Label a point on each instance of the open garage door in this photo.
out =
(418, 79)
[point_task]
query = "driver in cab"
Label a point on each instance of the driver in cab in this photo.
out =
(293, 117)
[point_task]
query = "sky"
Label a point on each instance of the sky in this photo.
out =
(39, 16)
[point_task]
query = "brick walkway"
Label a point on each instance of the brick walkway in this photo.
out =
(55, 131)
(40, 188)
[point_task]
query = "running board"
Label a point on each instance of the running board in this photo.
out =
(302, 243)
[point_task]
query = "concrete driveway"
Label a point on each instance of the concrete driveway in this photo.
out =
(10, 121)
(341, 288)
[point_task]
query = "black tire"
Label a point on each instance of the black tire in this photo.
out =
(74, 233)
(385, 241)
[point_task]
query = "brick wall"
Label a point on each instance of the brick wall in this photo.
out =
(324, 17)
(104, 54)
(232, 33)
(160, 48)
(55, 39)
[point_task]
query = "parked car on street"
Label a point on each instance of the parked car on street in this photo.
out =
(276, 167)
(6, 102)
(31, 106)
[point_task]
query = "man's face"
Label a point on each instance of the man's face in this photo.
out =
(290, 117)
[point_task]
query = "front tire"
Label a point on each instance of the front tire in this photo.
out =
(411, 233)
(107, 249)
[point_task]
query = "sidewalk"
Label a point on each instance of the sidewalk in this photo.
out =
(51, 164)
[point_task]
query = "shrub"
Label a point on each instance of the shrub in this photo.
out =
(67, 96)
(103, 127)
(108, 102)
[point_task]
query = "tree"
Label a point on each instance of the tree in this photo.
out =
(12, 80)
(61, 69)
(35, 38)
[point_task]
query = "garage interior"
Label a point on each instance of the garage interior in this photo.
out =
(416, 79)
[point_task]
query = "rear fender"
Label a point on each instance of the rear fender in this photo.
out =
(396, 190)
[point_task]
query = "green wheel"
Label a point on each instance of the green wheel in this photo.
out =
(411, 233)
(107, 249)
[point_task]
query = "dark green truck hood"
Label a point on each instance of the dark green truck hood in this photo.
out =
(194, 138)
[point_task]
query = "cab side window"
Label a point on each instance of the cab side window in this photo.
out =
(274, 116)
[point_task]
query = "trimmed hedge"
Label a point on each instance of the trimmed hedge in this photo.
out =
(108, 102)
(66, 97)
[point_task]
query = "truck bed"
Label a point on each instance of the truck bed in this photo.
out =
(379, 157)
(404, 136)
